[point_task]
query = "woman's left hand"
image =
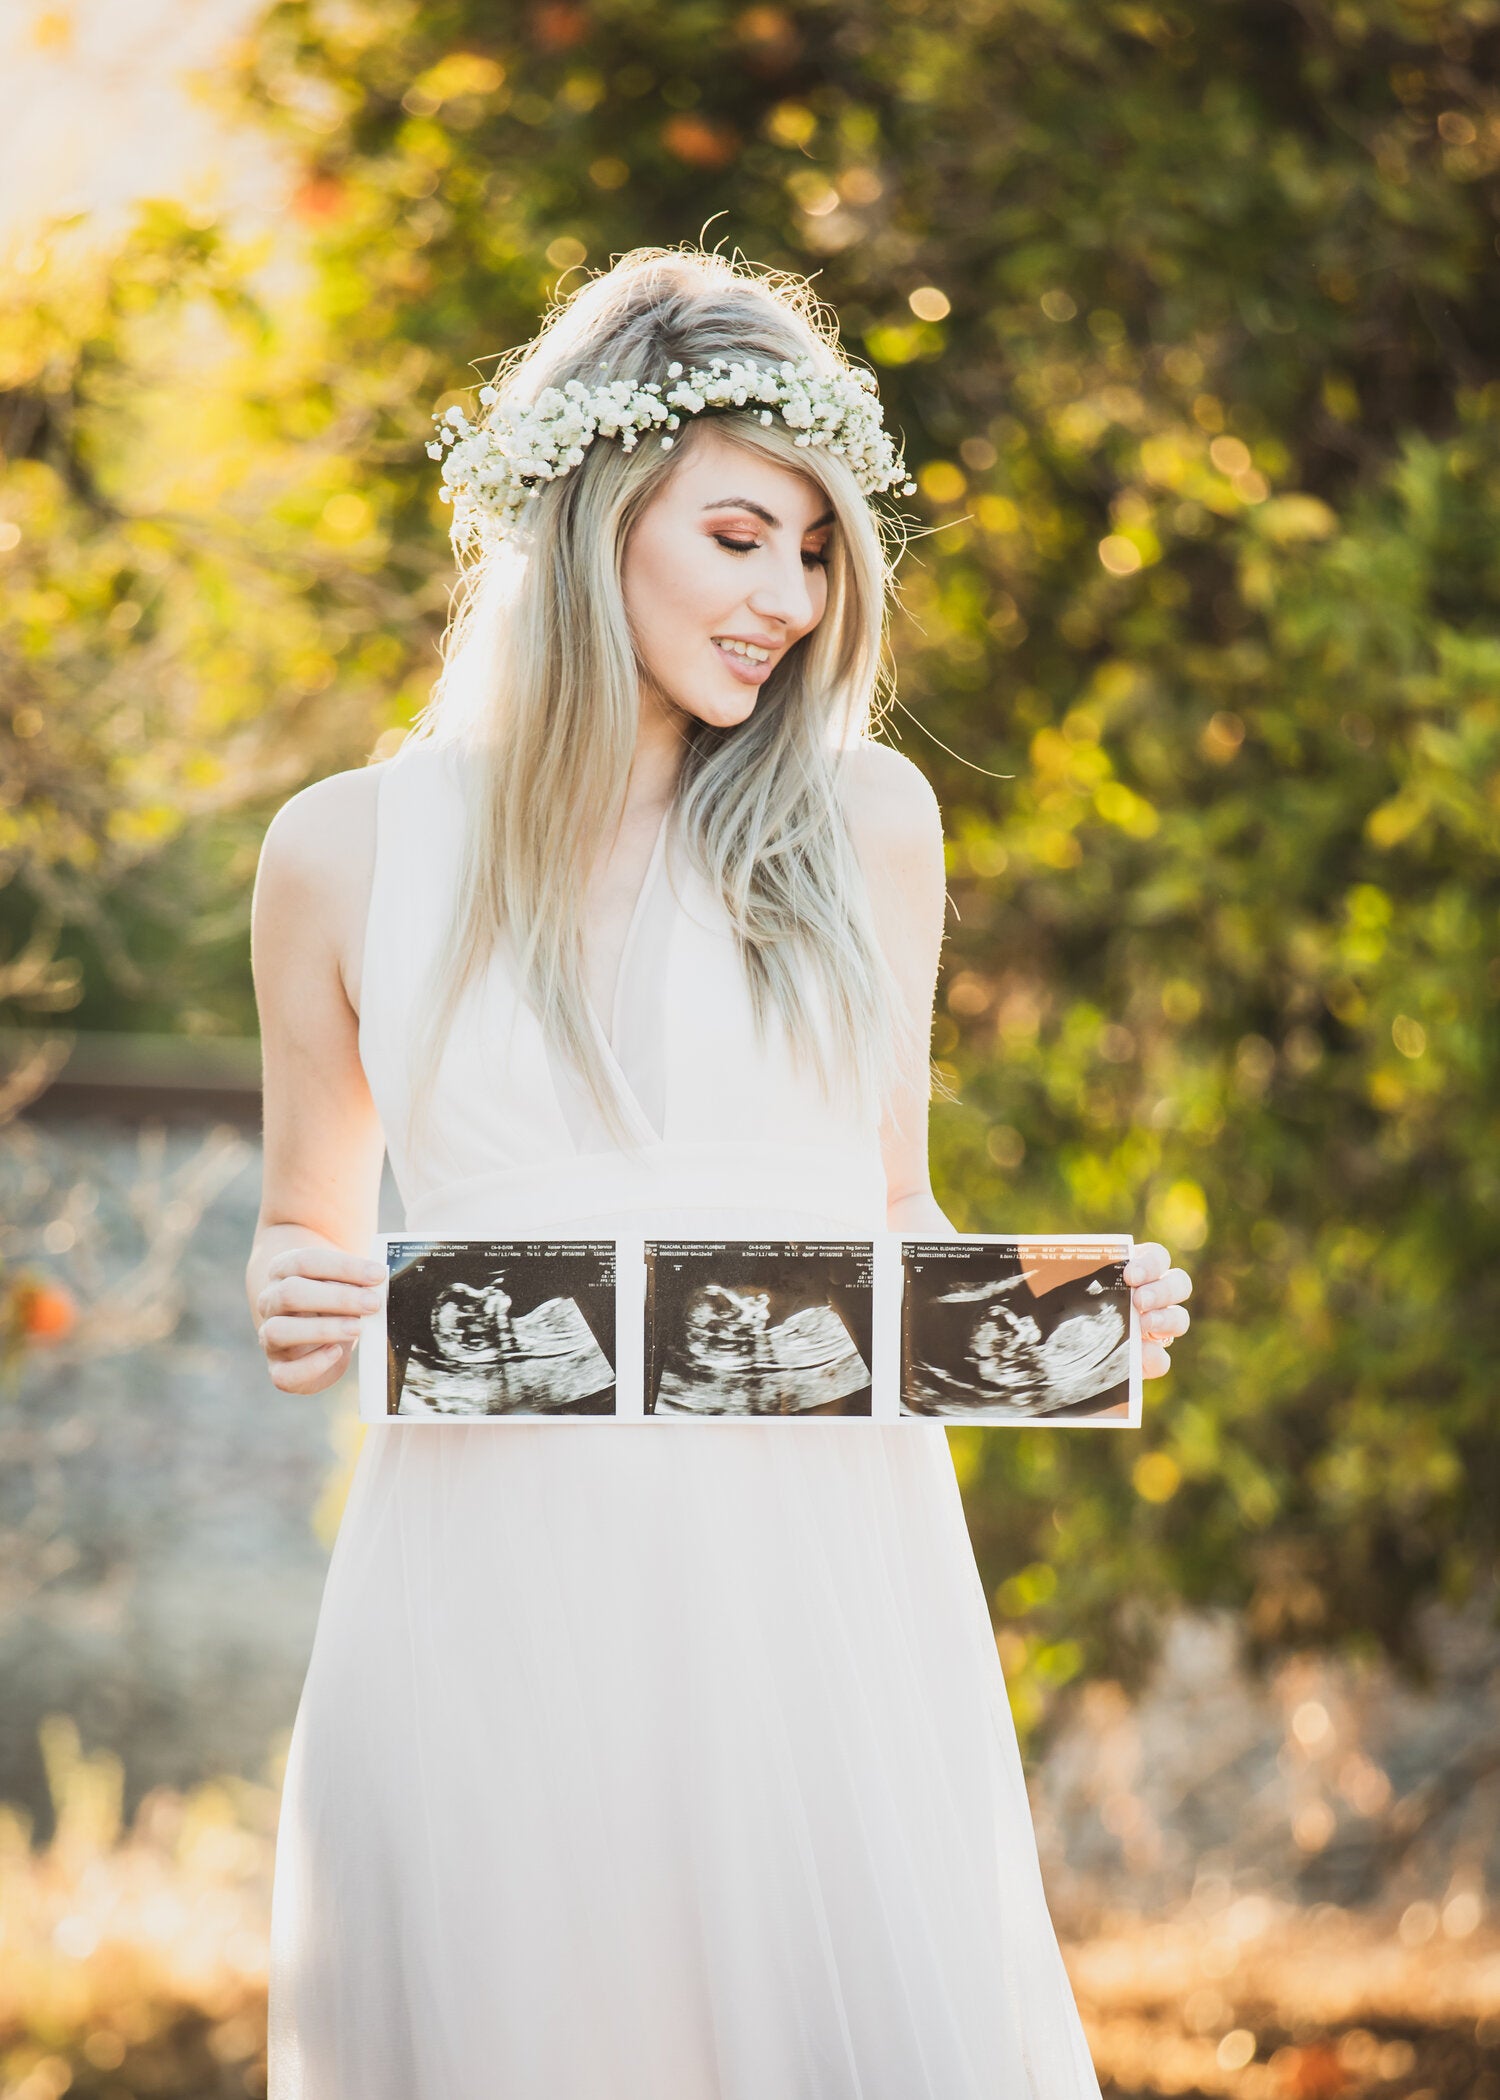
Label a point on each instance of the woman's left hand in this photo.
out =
(1157, 1294)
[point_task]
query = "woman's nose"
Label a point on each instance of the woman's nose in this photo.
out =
(785, 597)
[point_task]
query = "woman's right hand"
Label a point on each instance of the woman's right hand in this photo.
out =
(310, 1312)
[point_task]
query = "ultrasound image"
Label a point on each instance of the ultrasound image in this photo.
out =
(501, 1328)
(758, 1327)
(998, 1332)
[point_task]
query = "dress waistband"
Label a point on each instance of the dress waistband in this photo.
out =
(834, 1186)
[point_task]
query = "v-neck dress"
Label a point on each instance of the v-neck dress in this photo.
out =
(646, 1761)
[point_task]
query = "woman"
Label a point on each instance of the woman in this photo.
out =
(640, 1762)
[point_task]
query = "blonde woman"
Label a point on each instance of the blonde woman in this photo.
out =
(640, 1762)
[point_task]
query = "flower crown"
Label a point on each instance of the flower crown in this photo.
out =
(493, 470)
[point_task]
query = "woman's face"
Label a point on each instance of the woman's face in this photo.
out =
(724, 571)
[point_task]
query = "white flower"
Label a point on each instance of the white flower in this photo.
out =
(493, 471)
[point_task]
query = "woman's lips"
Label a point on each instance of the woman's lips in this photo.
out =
(747, 672)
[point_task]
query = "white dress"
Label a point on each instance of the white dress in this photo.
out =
(647, 1761)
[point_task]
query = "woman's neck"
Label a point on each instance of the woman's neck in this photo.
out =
(657, 760)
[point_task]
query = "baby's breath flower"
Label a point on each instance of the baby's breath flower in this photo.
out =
(493, 470)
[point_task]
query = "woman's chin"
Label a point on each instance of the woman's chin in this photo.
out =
(725, 711)
(717, 710)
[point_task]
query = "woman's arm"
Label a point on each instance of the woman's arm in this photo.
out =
(897, 830)
(308, 1279)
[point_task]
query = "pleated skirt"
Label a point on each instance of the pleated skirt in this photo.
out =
(650, 1761)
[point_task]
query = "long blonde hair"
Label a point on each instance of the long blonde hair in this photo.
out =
(541, 686)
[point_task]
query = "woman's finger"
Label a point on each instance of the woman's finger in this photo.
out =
(1155, 1360)
(305, 1294)
(331, 1264)
(1147, 1261)
(292, 1333)
(303, 1374)
(1170, 1289)
(1166, 1325)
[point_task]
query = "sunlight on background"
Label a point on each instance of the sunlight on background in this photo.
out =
(1203, 649)
(99, 107)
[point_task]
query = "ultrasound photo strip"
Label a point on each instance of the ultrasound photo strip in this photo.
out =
(982, 1328)
(759, 1328)
(1018, 1330)
(490, 1330)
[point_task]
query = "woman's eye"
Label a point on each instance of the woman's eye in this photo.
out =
(811, 560)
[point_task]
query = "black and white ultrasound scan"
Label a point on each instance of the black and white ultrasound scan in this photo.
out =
(1015, 1330)
(484, 1328)
(758, 1328)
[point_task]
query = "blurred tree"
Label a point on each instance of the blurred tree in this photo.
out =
(198, 615)
(1188, 315)
(177, 579)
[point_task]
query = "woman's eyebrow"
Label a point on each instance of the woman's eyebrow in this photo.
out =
(759, 510)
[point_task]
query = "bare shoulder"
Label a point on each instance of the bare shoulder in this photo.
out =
(318, 825)
(316, 865)
(882, 781)
(321, 842)
(893, 813)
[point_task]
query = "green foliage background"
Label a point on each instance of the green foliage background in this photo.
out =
(1202, 655)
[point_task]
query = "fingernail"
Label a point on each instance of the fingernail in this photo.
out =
(373, 1270)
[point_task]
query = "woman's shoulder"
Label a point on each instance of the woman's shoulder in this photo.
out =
(318, 858)
(896, 829)
(316, 830)
(317, 865)
(329, 826)
(893, 813)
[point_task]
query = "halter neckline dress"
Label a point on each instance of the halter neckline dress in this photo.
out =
(646, 1761)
